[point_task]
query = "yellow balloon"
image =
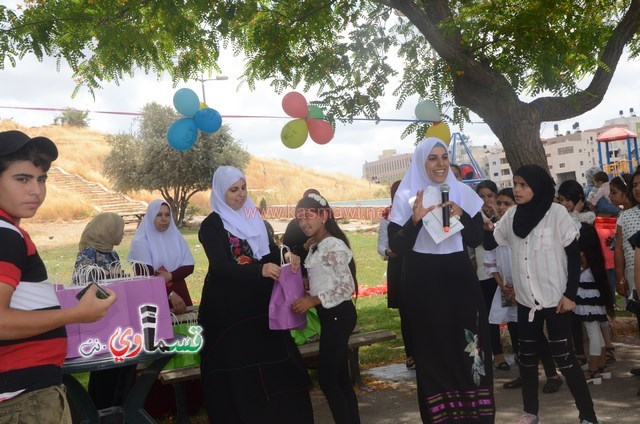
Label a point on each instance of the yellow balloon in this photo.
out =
(440, 130)
(203, 106)
(294, 133)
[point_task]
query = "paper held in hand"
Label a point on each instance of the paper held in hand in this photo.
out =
(433, 220)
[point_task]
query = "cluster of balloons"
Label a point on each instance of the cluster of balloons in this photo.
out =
(183, 133)
(309, 122)
(426, 110)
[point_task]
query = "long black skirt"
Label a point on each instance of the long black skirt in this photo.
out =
(450, 334)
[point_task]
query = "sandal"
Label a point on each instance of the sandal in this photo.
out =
(502, 366)
(411, 364)
(582, 360)
(552, 385)
(605, 373)
(610, 354)
(513, 384)
(593, 377)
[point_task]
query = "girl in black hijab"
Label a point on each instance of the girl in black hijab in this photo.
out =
(546, 271)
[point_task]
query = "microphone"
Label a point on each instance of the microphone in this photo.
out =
(444, 191)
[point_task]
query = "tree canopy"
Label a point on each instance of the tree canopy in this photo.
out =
(73, 118)
(479, 55)
(147, 162)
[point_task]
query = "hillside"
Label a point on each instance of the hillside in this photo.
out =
(82, 152)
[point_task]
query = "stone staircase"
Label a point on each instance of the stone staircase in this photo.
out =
(101, 198)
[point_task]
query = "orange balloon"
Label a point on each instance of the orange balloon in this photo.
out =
(320, 131)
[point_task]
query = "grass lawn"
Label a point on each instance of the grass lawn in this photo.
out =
(373, 313)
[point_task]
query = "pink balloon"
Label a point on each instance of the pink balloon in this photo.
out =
(295, 105)
(320, 131)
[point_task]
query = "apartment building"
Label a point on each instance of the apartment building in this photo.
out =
(389, 167)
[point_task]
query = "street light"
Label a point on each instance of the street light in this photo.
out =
(203, 80)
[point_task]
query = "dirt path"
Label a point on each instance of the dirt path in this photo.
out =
(52, 234)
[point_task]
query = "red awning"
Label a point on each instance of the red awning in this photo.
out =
(615, 134)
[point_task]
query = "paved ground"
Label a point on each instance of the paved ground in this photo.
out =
(392, 399)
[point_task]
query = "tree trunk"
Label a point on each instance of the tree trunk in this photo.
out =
(515, 123)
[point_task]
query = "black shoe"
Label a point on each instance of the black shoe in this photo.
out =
(635, 371)
(552, 385)
(502, 366)
(513, 384)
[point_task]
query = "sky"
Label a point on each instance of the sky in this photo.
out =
(40, 84)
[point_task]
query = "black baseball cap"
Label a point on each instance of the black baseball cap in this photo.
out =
(14, 140)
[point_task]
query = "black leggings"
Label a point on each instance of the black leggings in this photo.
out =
(337, 324)
(559, 329)
(544, 352)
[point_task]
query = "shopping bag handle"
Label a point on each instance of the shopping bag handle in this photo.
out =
(282, 248)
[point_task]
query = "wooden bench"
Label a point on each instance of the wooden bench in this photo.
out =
(132, 217)
(307, 350)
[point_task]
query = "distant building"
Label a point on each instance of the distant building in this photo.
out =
(388, 168)
(569, 155)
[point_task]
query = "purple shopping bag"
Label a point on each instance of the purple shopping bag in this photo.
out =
(133, 293)
(287, 288)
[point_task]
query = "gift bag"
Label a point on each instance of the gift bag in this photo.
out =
(142, 300)
(310, 332)
(181, 325)
(287, 288)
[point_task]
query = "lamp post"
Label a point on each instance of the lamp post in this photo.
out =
(203, 80)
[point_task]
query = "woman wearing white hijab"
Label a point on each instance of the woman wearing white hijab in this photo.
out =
(440, 293)
(161, 247)
(250, 374)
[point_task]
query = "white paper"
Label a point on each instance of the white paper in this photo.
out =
(433, 220)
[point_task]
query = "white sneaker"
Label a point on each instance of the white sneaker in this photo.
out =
(589, 422)
(527, 418)
(596, 381)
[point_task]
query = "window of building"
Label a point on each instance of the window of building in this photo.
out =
(505, 172)
(561, 165)
(581, 164)
(495, 174)
(503, 161)
(548, 155)
(565, 150)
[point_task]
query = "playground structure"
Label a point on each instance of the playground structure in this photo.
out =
(472, 173)
(622, 166)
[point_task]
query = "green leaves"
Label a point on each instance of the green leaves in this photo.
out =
(351, 51)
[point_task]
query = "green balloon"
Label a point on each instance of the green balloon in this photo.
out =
(315, 112)
(294, 133)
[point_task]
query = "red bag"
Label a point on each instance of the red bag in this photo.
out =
(606, 229)
(287, 288)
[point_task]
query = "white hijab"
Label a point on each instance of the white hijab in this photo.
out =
(416, 179)
(166, 249)
(245, 223)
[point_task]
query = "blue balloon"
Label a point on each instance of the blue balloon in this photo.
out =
(208, 120)
(186, 102)
(182, 134)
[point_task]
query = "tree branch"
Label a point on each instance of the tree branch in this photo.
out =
(559, 108)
